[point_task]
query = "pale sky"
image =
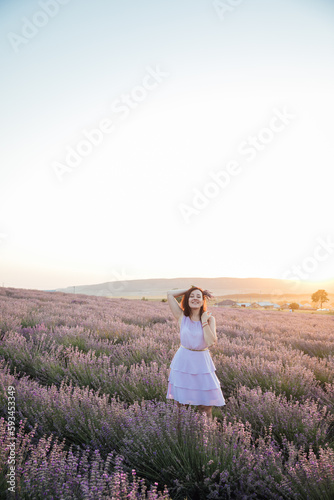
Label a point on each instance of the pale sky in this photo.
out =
(215, 150)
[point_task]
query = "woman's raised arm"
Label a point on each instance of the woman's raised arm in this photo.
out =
(177, 293)
(173, 303)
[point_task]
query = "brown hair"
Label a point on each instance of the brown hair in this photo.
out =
(185, 301)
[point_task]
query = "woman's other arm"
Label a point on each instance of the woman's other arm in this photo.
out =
(209, 330)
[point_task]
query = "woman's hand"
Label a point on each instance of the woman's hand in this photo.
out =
(205, 316)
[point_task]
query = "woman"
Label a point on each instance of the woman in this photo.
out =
(192, 378)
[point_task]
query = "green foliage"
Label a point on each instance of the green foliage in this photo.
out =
(320, 296)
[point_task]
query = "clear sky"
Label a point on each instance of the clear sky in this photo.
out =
(161, 139)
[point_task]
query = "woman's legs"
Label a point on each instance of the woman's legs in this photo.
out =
(202, 408)
(182, 404)
(205, 409)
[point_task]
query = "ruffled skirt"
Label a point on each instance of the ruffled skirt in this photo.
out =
(192, 379)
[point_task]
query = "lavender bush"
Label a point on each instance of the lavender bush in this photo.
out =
(90, 377)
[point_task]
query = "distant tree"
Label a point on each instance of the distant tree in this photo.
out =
(320, 296)
(163, 300)
(143, 298)
(294, 305)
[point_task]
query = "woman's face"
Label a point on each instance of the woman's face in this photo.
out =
(196, 299)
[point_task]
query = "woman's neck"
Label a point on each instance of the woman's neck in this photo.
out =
(194, 319)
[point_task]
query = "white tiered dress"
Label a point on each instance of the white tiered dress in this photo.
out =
(192, 379)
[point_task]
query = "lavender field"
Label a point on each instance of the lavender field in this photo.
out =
(92, 421)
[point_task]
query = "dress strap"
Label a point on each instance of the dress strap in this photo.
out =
(194, 349)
